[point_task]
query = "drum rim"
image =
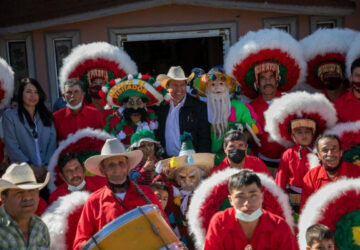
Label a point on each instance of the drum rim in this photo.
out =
(122, 220)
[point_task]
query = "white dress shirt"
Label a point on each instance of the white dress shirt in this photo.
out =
(172, 129)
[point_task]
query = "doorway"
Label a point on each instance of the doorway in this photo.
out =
(157, 56)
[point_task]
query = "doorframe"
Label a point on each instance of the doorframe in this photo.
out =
(227, 30)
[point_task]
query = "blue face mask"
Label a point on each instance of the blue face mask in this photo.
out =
(248, 217)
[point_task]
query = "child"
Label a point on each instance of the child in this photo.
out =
(294, 163)
(161, 190)
(293, 120)
(319, 236)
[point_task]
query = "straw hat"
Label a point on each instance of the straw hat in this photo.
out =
(174, 73)
(112, 147)
(21, 176)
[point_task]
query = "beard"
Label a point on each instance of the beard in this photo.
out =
(129, 111)
(219, 106)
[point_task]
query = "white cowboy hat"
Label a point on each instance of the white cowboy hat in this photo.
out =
(21, 176)
(174, 73)
(112, 147)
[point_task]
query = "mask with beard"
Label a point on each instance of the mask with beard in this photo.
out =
(332, 83)
(93, 91)
(218, 112)
(129, 111)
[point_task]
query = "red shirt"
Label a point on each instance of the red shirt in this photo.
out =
(317, 177)
(251, 162)
(347, 107)
(102, 207)
(67, 122)
(93, 183)
(291, 169)
(272, 150)
(272, 232)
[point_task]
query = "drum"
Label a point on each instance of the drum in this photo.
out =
(141, 228)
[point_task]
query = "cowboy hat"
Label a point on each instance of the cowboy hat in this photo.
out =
(21, 176)
(174, 73)
(112, 147)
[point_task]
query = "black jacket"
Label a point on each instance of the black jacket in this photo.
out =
(192, 118)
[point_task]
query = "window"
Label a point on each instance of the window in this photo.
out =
(17, 50)
(317, 22)
(58, 46)
(288, 24)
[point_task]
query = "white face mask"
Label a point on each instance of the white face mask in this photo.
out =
(74, 107)
(78, 187)
(248, 217)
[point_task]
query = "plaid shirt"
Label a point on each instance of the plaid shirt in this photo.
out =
(12, 238)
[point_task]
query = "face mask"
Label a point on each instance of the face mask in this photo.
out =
(74, 107)
(248, 217)
(332, 83)
(94, 91)
(236, 155)
(76, 188)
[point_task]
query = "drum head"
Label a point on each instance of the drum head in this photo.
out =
(133, 230)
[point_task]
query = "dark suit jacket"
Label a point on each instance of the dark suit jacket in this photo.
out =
(192, 118)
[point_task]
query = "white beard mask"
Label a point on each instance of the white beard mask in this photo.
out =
(218, 107)
(74, 107)
(248, 217)
(78, 187)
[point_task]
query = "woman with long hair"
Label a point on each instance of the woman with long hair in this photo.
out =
(29, 132)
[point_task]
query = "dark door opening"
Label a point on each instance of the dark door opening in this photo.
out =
(157, 56)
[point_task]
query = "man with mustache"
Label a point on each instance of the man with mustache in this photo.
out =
(72, 171)
(75, 115)
(95, 64)
(266, 63)
(20, 228)
(267, 82)
(347, 106)
(331, 168)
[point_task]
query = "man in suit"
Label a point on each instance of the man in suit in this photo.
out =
(183, 113)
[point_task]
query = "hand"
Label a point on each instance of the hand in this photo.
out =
(149, 164)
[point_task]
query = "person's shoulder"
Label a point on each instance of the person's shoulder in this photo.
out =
(193, 100)
(276, 220)
(222, 217)
(91, 110)
(342, 98)
(97, 195)
(352, 168)
(10, 112)
(314, 172)
(59, 112)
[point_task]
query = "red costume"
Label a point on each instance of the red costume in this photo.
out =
(345, 106)
(272, 232)
(93, 183)
(292, 169)
(251, 162)
(272, 150)
(67, 122)
(317, 177)
(102, 207)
